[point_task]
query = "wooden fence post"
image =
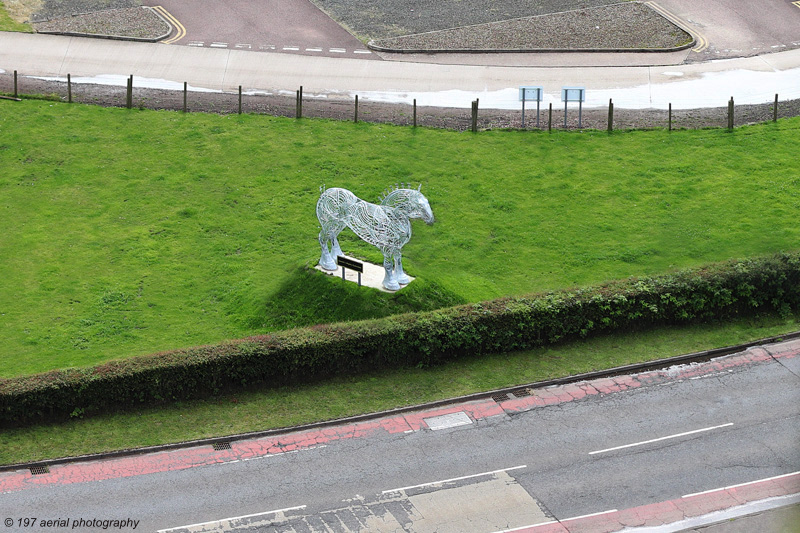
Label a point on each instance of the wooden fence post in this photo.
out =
(415, 112)
(185, 90)
(775, 109)
(610, 116)
(355, 118)
(550, 118)
(730, 114)
(670, 116)
(299, 111)
(69, 89)
(129, 99)
(475, 116)
(240, 99)
(16, 94)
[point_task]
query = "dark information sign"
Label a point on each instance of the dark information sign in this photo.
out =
(352, 264)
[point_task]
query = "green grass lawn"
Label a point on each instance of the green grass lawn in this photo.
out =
(9, 24)
(127, 232)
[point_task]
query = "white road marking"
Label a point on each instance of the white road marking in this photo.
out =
(299, 507)
(588, 515)
(455, 479)
(337, 50)
(244, 45)
(660, 439)
(556, 521)
(276, 454)
(313, 49)
(362, 51)
(293, 48)
(196, 43)
(712, 375)
(219, 45)
(741, 484)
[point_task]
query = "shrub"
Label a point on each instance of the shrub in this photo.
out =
(715, 292)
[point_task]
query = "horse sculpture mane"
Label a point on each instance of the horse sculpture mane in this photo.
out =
(386, 225)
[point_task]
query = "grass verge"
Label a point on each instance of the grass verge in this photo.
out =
(341, 397)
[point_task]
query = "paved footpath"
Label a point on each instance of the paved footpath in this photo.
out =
(711, 84)
(753, 499)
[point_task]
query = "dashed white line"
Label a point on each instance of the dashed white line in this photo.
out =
(455, 479)
(661, 438)
(741, 485)
(299, 507)
(557, 521)
(248, 46)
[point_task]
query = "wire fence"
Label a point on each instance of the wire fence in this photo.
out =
(613, 116)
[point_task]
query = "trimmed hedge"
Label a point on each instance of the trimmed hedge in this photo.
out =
(719, 291)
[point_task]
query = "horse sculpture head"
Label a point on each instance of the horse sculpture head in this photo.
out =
(410, 202)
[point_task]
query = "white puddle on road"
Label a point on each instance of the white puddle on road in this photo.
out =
(122, 81)
(709, 90)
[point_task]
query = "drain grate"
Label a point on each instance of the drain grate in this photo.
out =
(521, 393)
(39, 470)
(499, 397)
(224, 445)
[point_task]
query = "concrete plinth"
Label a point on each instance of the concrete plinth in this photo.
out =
(371, 277)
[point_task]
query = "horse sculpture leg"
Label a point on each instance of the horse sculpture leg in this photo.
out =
(401, 277)
(336, 250)
(326, 260)
(389, 281)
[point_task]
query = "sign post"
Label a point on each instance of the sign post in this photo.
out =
(573, 94)
(527, 94)
(352, 264)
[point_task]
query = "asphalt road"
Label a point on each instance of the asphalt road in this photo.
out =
(288, 26)
(733, 28)
(609, 451)
(725, 28)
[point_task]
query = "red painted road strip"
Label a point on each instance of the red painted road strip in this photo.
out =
(662, 513)
(166, 461)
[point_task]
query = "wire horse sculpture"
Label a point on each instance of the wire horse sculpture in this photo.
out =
(386, 225)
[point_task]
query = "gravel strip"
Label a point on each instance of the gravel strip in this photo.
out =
(399, 114)
(53, 9)
(380, 19)
(134, 22)
(631, 26)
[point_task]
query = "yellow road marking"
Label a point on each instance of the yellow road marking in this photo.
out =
(701, 43)
(172, 20)
(796, 4)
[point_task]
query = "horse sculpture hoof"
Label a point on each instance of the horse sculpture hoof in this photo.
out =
(330, 266)
(392, 286)
(403, 280)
